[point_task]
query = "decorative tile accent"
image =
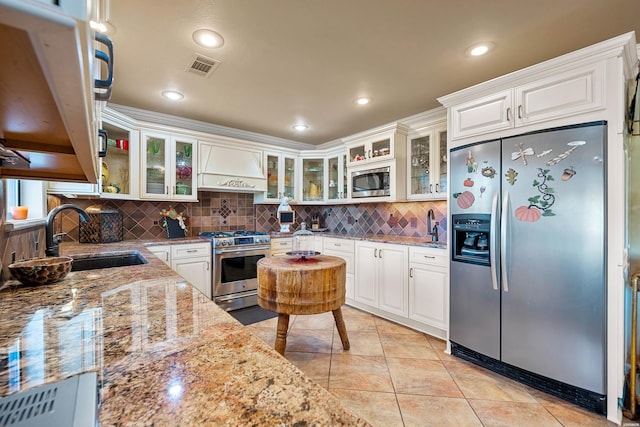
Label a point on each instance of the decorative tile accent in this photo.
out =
(399, 219)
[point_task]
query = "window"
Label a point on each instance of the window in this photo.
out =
(22, 192)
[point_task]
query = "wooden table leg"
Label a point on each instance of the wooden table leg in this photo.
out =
(281, 335)
(342, 329)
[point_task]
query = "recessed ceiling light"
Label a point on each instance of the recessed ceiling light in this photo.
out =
(207, 38)
(363, 100)
(172, 95)
(480, 49)
(300, 127)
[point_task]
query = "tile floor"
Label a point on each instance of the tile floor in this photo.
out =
(395, 376)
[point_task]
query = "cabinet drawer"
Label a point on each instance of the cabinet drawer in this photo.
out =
(190, 250)
(281, 246)
(430, 256)
(341, 245)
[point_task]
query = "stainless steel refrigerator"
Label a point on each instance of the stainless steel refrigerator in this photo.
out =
(528, 256)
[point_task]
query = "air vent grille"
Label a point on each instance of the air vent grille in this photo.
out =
(202, 66)
(26, 407)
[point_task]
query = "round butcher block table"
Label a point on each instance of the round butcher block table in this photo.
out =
(297, 285)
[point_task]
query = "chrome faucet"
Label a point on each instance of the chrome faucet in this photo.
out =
(433, 232)
(54, 240)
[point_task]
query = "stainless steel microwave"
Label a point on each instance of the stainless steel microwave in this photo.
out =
(371, 182)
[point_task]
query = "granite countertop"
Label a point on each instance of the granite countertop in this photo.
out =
(401, 240)
(163, 352)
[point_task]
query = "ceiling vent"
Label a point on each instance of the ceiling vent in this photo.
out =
(202, 65)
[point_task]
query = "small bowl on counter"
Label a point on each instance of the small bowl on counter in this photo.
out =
(41, 271)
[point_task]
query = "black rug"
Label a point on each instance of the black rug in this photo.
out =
(250, 315)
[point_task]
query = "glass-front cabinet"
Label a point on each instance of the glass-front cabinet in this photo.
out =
(336, 184)
(168, 167)
(120, 165)
(427, 163)
(383, 143)
(313, 179)
(281, 177)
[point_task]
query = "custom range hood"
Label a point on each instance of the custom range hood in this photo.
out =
(47, 115)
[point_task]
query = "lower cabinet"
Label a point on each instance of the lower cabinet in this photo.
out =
(281, 245)
(381, 277)
(344, 249)
(190, 260)
(428, 286)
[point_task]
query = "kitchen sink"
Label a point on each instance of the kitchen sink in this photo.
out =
(107, 261)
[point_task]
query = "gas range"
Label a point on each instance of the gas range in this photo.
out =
(239, 238)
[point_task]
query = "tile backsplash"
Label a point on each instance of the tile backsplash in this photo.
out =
(236, 211)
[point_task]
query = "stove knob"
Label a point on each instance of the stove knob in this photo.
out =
(217, 242)
(224, 243)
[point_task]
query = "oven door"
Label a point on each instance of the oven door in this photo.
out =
(236, 270)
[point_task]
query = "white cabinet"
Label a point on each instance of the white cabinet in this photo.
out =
(281, 177)
(72, 188)
(281, 245)
(336, 177)
(381, 277)
(190, 260)
(427, 163)
(382, 143)
(163, 252)
(120, 168)
(344, 249)
(168, 167)
(193, 262)
(558, 95)
(313, 179)
(429, 286)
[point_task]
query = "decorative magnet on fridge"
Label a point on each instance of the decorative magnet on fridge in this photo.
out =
(472, 165)
(573, 145)
(568, 173)
(464, 199)
(468, 182)
(540, 204)
(488, 172)
(511, 176)
(522, 153)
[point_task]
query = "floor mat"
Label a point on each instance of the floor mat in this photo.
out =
(250, 315)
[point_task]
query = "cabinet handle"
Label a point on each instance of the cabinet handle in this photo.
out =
(166, 190)
(337, 244)
(375, 251)
(411, 272)
(207, 265)
(508, 114)
(429, 256)
(369, 155)
(520, 111)
(430, 188)
(192, 250)
(380, 253)
(437, 188)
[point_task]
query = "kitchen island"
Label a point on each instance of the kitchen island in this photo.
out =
(163, 352)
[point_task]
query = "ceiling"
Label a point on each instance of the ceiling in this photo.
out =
(290, 61)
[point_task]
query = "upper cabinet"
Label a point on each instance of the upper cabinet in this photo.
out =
(427, 163)
(167, 167)
(281, 176)
(313, 178)
(558, 95)
(336, 182)
(120, 167)
(383, 143)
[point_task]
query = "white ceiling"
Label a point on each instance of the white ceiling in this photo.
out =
(289, 61)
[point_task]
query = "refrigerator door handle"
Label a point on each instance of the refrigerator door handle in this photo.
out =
(494, 242)
(504, 227)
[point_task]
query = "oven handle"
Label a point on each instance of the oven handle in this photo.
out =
(236, 250)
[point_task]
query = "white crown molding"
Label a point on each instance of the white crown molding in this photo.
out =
(210, 128)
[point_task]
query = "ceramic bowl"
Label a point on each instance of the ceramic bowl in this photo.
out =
(41, 271)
